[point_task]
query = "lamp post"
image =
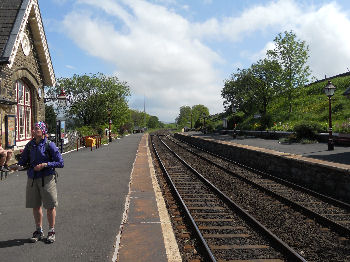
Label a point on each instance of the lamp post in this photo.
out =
(62, 101)
(110, 123)
(234, 110)
(61, 98)
(329, 91)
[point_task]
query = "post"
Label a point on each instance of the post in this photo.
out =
(191, 119)
(61, 145)
(110, 123)
(77, 144)
(109, 133)
(330, 138)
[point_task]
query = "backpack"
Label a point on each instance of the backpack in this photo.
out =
(48, 154)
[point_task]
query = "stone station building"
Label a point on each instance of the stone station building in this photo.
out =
(25, 68)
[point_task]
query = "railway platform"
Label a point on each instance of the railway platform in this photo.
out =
(310, 165)
(339, 156)
(146, 230)
(109, 209)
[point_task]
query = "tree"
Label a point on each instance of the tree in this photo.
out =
(137, 118)
(153, 122)
(196, 113)
(90, 97)
(184, 117)
(237, 91)
(265, 83)
(292, 54)
(251, 90)
(50, 118)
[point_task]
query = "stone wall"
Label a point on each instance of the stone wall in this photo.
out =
(27, 69)
(324, 177)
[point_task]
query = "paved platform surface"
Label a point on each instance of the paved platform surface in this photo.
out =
(91, 191)
(146, 233)
(340, 154)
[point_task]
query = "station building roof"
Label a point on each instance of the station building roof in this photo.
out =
(14, 16)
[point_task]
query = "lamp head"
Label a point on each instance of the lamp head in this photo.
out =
(234, 108)
(329, 89)
(62, 98)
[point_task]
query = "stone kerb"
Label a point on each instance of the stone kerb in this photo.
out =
(319, 175)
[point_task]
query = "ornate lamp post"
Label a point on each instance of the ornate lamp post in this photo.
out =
(61, 98)
(62, 101)
(234, 110)
(110, 123)
(329, 91)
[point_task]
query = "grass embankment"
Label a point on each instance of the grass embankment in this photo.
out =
(310, 104)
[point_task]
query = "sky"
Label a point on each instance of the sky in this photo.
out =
(175, 52)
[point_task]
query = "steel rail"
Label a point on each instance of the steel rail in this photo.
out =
(329, 199)
(206, 252)
(321, 219)
(287, 250)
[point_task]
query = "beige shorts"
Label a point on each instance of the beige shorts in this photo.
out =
(38, 195)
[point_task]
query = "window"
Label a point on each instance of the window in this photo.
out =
(24, 112)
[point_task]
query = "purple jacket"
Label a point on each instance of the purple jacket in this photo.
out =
(38, 156)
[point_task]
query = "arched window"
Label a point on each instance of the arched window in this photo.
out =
(24, 112)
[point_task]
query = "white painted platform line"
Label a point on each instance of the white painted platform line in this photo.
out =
(71, 150)
(171, 247)
(124, 217)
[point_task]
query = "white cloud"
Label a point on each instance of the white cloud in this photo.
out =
(158, 56)
(325, 30)
(162, 55)
(71, 67)
(327, 33)
(256, 18)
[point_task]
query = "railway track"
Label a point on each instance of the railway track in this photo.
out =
(327, 210)
(224, 230)
(312, 224)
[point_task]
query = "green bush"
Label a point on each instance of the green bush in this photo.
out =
(86, 131)
(307, 130)
(280, 126)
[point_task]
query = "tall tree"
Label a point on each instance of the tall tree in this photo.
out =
(193, 113)
(184, 117)
(198, 111)
(251, 90)
(153, 122)
(237, 90)
(91, 96)
(137, 118)
(265, 83)
(292, 54)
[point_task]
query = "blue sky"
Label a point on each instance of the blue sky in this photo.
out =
(177, 52)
